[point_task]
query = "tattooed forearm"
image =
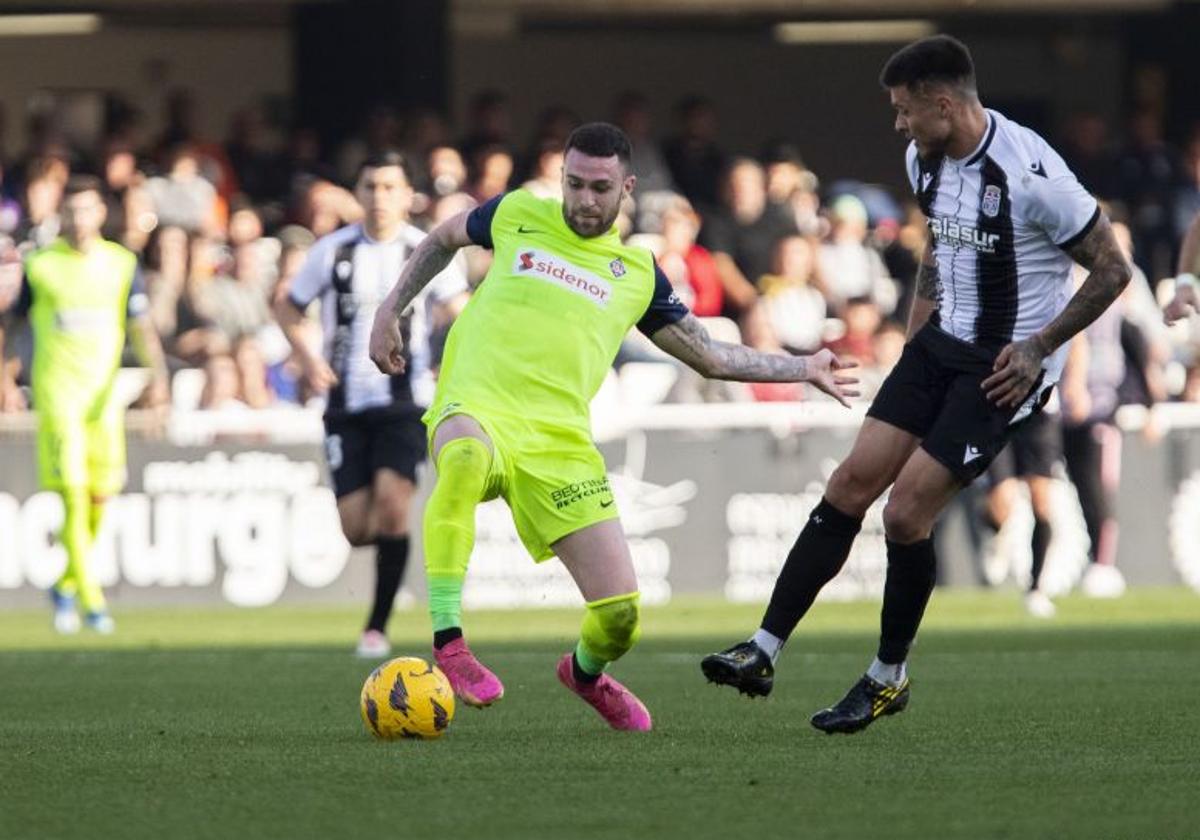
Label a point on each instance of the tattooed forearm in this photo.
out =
(1108, 274)
(426, 262)
(688, 341)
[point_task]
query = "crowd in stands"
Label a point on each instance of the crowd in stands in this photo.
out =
(785, 260)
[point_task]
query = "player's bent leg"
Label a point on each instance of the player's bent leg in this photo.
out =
(463, 459)
(598, 559)
(922, 489)
(879, 453)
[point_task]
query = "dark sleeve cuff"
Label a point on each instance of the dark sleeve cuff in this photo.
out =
(1087, 228)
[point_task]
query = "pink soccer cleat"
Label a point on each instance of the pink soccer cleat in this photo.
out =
(474, 684)
(613, 701)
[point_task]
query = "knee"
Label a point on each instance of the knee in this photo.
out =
(851, 489)
(612, 626)
(358, 534)
(903, 521)
(462, 468)
(391, 518)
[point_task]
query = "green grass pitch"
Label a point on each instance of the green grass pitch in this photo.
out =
(218, 723)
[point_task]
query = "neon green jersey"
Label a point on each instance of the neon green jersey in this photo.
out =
(540, 333)
(78, 305)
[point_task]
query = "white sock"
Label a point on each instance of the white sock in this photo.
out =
(890, 675)
(768, 643)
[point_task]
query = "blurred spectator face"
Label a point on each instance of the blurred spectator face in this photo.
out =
(593, 189)
(82, 215)
(680, 226)
(495, 167)
(747, 190)
(244, 226)
(849, 219)
(794, 258)
(550, 166)
(120, 166)
(385, 196)
(783, 179)
(184, 165)
(923, 116)
(43, 196)
(447, 172)
(322, 210)
(862, 317)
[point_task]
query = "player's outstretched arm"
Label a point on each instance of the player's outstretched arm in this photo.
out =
(1019, 364)
(688, 341)
(427, 261)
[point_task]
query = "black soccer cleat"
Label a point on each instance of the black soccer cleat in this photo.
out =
(745, 666)
(861, 705)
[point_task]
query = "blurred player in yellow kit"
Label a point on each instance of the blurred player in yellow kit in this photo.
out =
(81, 293)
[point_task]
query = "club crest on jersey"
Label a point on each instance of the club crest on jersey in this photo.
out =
(617, 267)
(991, 201)
(563, 274)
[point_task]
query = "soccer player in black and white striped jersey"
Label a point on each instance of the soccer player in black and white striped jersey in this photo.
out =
(987, 340)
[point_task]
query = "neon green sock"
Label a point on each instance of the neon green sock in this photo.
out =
(95, 518)
(449, 532)
(588, 663)
(76, 539)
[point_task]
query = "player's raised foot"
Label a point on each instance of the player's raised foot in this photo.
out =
(864, 703)
(66, 619)
(372, 645)
(101, 622)
(745, 666)
(619, 707)
(473, 683)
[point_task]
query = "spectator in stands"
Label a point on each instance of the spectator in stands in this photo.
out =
(632, 114)
(237, 297)
(252, 153)
(693, 156)
(447, 171)
(691, 268)
(492, 170)
(44, 182)
(792, 187)
(489, 123)
(792, 301)
(742, 235)
(546, 176)
(323, 207)
(183, 197)
(1148, 174)
(221, 385)
(850, 268)
(253, 387)
(862, 319)
(166, 270)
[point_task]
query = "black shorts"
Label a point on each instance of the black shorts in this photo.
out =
(934, 393)
(1036, 446)
(359, 444)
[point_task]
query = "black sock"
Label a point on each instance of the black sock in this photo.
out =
(582, 677)
(911, 571)
(391, 556)
(1041, 543)
(816, 558)
(441, 638)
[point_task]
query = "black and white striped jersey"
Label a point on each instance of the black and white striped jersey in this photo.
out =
(1002, 220)
(352, 274)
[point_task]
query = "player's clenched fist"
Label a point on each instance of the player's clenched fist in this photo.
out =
(386, 343)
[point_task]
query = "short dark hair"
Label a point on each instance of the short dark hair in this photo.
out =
(77, 184)
(386, 157)
(937, 59)
(600, 139)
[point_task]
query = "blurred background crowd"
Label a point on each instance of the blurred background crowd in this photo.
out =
(775, 254)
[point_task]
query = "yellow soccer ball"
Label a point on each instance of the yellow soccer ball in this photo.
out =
(407, 698)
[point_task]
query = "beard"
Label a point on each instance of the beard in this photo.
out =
(589, 227)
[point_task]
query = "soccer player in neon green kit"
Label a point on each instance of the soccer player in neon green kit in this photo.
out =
(510, 417)
(80, 293)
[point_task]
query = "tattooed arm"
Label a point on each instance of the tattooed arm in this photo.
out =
(929, 292)
(688, 341)
(1019, 364)
(427, 260)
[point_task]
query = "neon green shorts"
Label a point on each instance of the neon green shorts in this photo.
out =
(78, 451)
(554, 479)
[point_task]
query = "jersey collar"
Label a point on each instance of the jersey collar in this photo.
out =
(979, 152)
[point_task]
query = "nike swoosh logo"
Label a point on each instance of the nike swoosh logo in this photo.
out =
(606, 504)
(523, 229)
